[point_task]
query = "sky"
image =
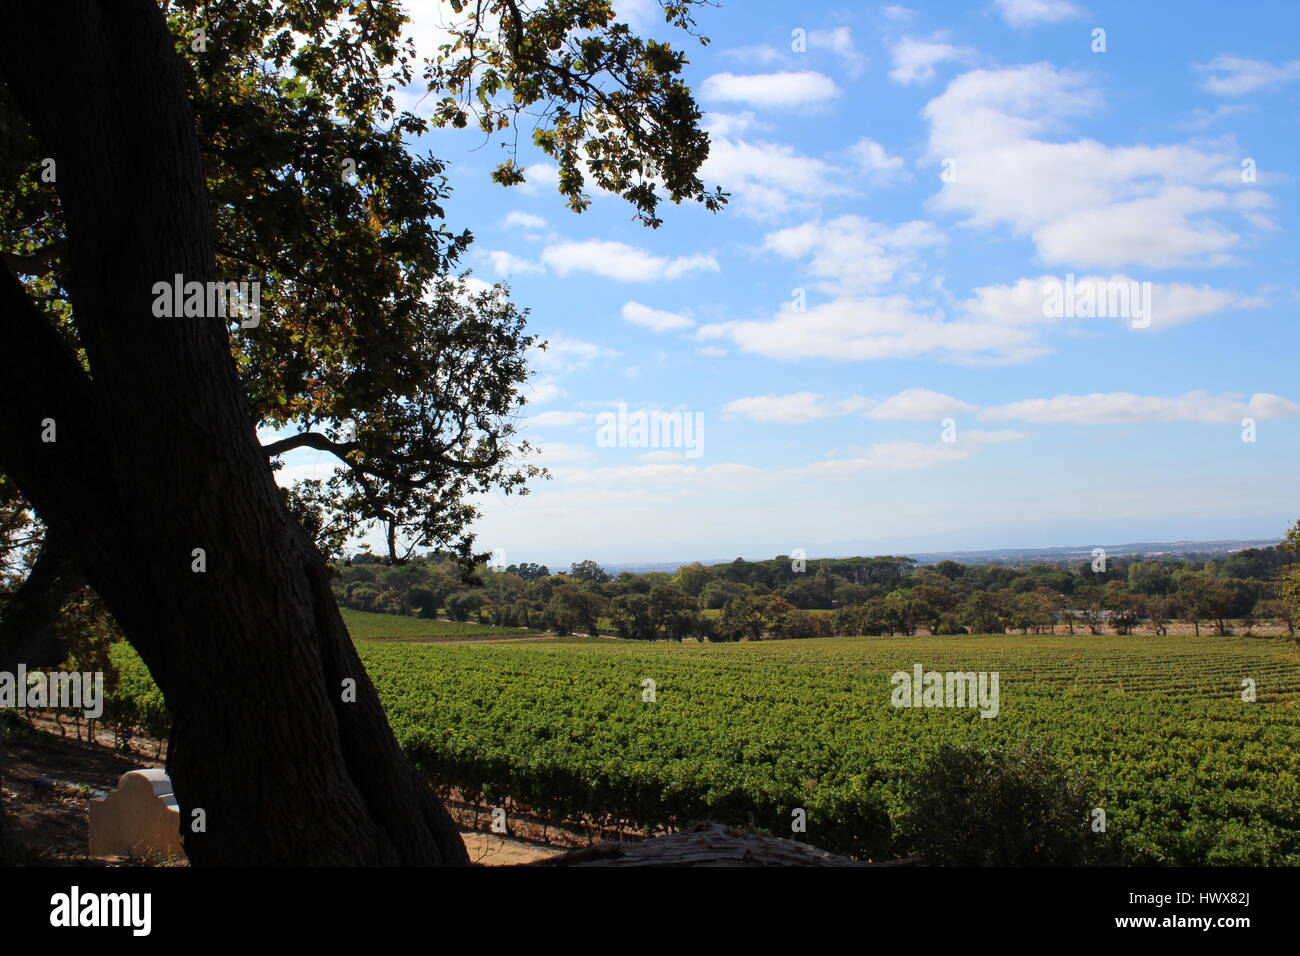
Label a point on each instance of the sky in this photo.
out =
(885, 342)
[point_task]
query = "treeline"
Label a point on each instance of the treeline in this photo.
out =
(790, 598)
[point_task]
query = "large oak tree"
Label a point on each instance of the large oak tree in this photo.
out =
(208, 140)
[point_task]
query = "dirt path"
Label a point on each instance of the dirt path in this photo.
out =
(46, 782)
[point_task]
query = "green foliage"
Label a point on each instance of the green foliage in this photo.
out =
(602, 102)
(364, 626)
(16, 728)
(589, 571)
(135, 704)
(1003, 806)
(744, 618)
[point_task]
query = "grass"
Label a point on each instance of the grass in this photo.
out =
(368, 626)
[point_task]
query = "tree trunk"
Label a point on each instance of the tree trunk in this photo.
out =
(28, 631)
(156, 456)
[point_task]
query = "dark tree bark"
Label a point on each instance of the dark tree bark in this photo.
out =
(156, 456)
(28, 631)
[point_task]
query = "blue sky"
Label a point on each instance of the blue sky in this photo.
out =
(923, 173)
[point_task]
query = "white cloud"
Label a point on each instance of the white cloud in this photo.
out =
(553, 453)
(980, 437)
(838, 40)
(1203, 119)
(852, 253)
(640, 15)
(543, 390)
(1234, 76)
(703, 477)
(874, 160)
(915, 59)
(912, 404)
(664, 454)
(655, 319)
(888, 457)
(617, 260)
(760, 53)
(562, 356)
(559, 419)
(1029, 13)
(999, 324)
(523, 220)
(770, 179)
(919, 404)
(1082, 202)
(1022, 303)
(730, 124)
(784, 409)
(1125, 408)
(507, 263)
(864, 328)
(769, 90)
(539, 176)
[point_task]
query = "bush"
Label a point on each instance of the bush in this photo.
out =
(16, 728)
(1001, 807)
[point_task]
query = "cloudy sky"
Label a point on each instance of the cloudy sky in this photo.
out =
(867, 332)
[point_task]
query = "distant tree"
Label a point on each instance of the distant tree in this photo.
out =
(874, 618)
(589, 571)
(811, 591)
(743, 618)
(424, 601)
(799, 624)
(716, 594)
(674, 612)
(1033, 609)
(363, 597)
(1063, 609)
(1091, 600)
(1125, 607)
(529, 571)
(929, 604)
(1159, 609)
(849, 594)
(982, 612)
(462, 604)
(900, 611)
(1149, 577)
(1275, 609)
(951, 570)
(1288, 582)
(693, 578)
(632, 617)
(1222, 601)
(573, 609)
(775, 611)
(1196, 598)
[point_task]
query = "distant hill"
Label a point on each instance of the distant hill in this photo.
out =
(1014, 557)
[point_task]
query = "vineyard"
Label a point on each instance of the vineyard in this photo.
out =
(1186, 771)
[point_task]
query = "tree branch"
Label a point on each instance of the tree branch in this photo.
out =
(310, 440)
(35, 263)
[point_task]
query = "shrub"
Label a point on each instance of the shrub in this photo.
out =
(1016, 806)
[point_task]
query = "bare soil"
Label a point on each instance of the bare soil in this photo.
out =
(47, 780)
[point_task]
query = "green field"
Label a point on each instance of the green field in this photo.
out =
(1187, 772)
(366, 626)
